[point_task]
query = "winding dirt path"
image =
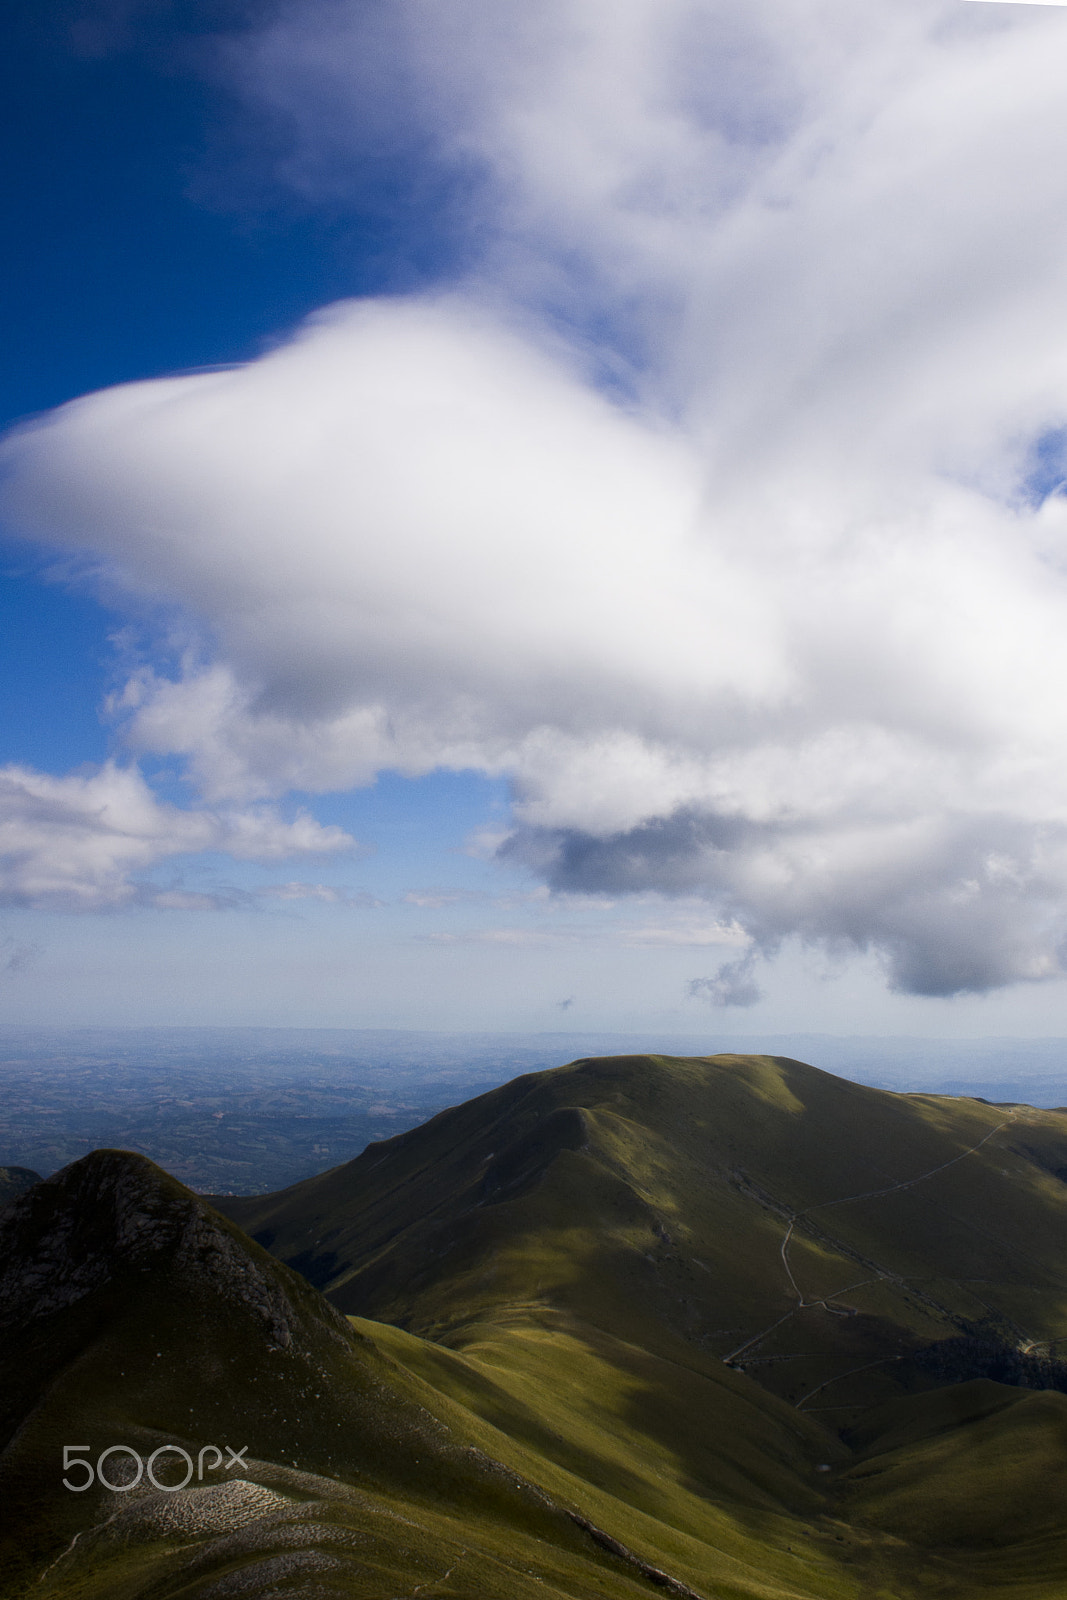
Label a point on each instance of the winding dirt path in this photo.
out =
(831, 1303)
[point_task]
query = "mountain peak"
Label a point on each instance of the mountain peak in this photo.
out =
(15, 1181)
(115, 1214)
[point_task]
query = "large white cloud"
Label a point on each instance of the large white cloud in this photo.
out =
(757, 588)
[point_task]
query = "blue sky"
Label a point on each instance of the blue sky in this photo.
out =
(635, 596)
(113, 272)
(126, 266)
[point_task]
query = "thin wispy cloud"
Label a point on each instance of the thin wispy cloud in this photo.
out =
(84, 842)
(15, 957)
(714, 502)
(438, 899)
(733, 984)
(325, 893)
(683, 933)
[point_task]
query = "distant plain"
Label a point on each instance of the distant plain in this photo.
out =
(250, 1110)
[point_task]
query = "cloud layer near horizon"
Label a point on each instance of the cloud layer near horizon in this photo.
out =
(758, 593)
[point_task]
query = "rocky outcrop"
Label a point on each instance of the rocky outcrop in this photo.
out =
(15, 1181)
(113, 1214)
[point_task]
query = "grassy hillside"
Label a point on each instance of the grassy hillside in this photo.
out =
(15, 1181)
(743, 1209)
(134, 1315)
(727, 1328)
(681, 1281)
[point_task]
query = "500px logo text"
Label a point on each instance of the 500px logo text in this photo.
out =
(76, 1455)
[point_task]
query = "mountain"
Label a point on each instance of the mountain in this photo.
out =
(758, 1211)
(134, 1316)
(725, 1328)
(15, 1181)
(696, 1283)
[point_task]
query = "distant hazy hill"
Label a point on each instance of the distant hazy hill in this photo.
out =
(15, 1181)
(730, 1327)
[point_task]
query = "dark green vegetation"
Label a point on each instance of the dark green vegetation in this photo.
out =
(15, 1181)
(726, 1326)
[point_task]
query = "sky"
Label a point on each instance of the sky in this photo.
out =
(524, 515)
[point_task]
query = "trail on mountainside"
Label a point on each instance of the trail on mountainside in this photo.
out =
(831, 1302)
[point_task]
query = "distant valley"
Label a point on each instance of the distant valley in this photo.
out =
(249, 1110)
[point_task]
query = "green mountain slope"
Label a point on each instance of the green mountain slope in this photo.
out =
(15, 1181)
(730, 1328)
(749, 1209)
(679, 1281)
(135, 1316)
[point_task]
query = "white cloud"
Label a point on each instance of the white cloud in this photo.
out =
(517, 937)
(684, 932)
(786, 627)
(328, 894)
(83, 842)
(732, 985)
(437, 899)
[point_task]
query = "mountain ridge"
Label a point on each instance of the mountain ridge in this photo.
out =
(638, 1323)
(786, 1159)
(111, 1259)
